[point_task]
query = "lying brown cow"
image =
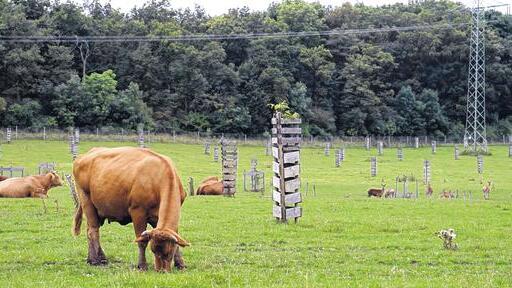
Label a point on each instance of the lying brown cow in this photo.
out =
(126, 185)
(2, 178)
(30, 186)
(211, 186)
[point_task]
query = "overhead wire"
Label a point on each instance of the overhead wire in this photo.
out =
(210, 37)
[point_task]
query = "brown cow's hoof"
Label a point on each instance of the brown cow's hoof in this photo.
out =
(142, 267)
(97, 262)
(180, 266)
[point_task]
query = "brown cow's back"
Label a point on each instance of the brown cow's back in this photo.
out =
(116, 179)
(210, 186)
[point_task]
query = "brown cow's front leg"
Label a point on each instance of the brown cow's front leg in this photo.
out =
(139, 225)
(96, 255)
(178, 260)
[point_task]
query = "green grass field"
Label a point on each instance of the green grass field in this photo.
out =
(343, 239)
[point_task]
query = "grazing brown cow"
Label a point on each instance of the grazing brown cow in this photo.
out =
(2, 178)
(211, 186)
(30, 186)
(126, 185)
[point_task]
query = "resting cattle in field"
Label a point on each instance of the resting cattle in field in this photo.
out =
(211, 186)
(30, 186)
(2, 178)
(126, 185)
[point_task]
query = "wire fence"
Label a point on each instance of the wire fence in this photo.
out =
(109, 134)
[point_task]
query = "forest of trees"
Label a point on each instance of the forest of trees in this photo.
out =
(381, 83)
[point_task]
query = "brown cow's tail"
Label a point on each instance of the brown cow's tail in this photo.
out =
(77, 221)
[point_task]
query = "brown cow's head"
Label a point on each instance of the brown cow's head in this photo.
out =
(164, 243)
(55, 179)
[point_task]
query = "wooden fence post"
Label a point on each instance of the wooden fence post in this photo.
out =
(191, 186)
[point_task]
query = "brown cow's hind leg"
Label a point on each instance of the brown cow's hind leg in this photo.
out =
(96, 255)
(140, 224)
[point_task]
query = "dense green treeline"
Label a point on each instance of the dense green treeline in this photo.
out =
(381, 83)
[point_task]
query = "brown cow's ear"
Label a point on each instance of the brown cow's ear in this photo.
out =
(144, 237)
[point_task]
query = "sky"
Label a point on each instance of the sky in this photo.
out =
(217, 7)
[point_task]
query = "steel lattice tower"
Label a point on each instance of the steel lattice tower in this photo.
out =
(475, 135)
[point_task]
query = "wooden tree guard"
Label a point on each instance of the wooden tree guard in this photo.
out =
(77, 135)
(268, 147)
(373, 166)
(416, 142)
(426, 172)
(44, 133)
(46, 167)
(400, 154)
(286, 137)
(72, 190)
(434, 147)
(327, 149)
(367, 143)
(73, 147)
(216, 153)
(510, 150)
(207, 148)
(141, 138)
(255, 178)
(8, 135)
(337, 158)
(229, 166)
(480, 164)
(380, 147)
(456, 152)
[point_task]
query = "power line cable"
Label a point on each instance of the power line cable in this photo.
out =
(210, 37)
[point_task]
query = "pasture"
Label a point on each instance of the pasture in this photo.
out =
(343, 239)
